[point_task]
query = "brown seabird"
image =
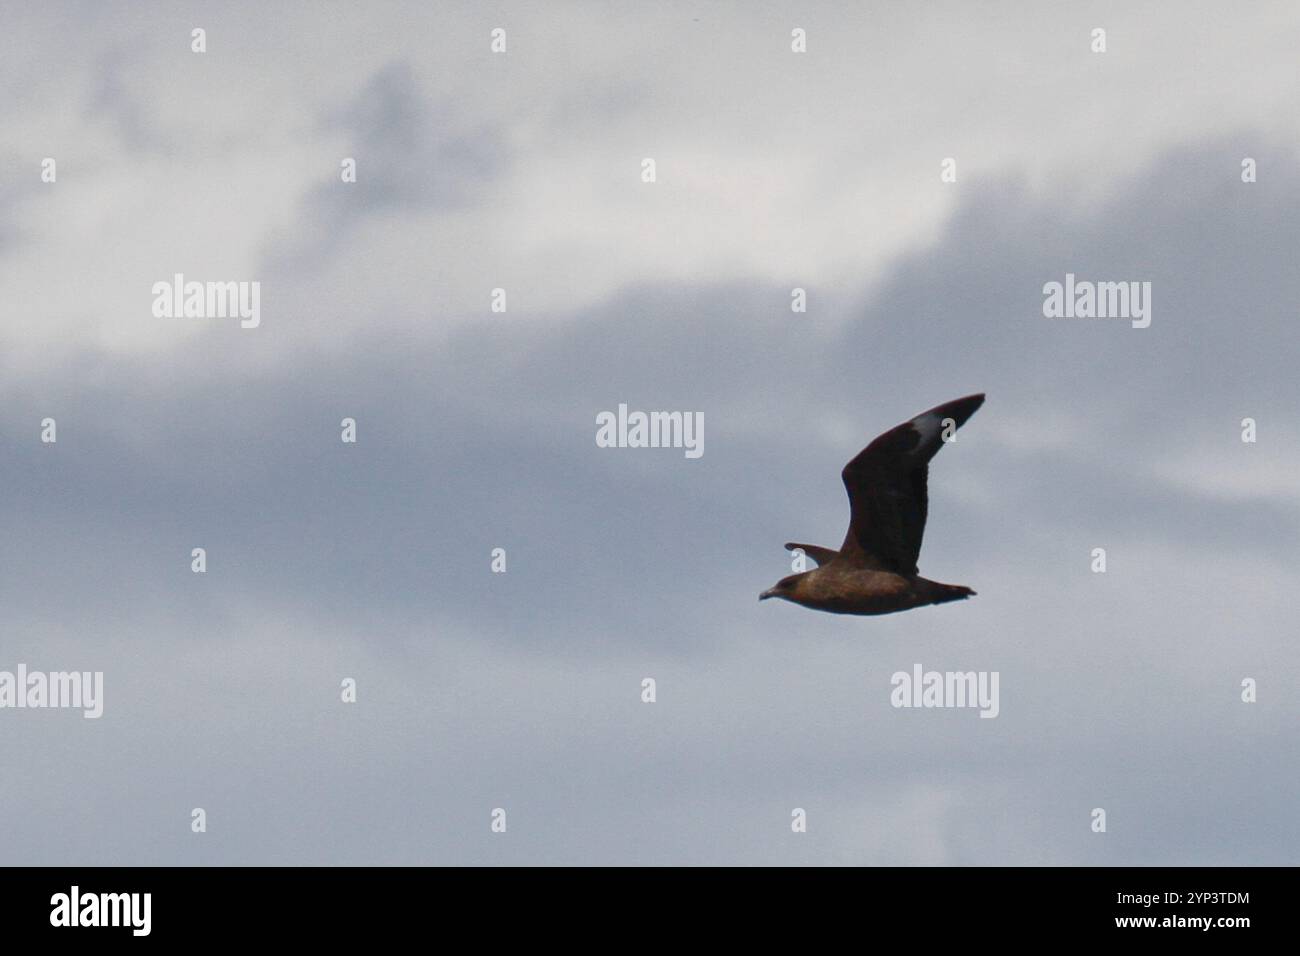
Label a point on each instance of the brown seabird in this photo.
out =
(874, 571)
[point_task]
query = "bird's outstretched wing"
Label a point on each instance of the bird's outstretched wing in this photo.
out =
(887, 493)
(817, 553)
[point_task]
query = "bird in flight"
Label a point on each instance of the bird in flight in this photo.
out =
(874, 571)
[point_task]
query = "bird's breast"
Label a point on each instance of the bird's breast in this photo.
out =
(855, 591)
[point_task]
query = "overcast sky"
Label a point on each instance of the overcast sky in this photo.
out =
(476, 430)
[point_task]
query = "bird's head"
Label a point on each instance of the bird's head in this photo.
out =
(785, 588)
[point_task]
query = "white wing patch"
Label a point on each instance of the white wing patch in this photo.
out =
(930, 427)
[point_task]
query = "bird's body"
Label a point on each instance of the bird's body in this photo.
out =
(840, 588)
(874, 571)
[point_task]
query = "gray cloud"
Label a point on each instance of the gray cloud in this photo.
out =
(412, 156)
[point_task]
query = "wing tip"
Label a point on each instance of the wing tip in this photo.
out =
(959, 409)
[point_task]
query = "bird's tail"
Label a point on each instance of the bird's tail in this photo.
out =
(951, 592)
